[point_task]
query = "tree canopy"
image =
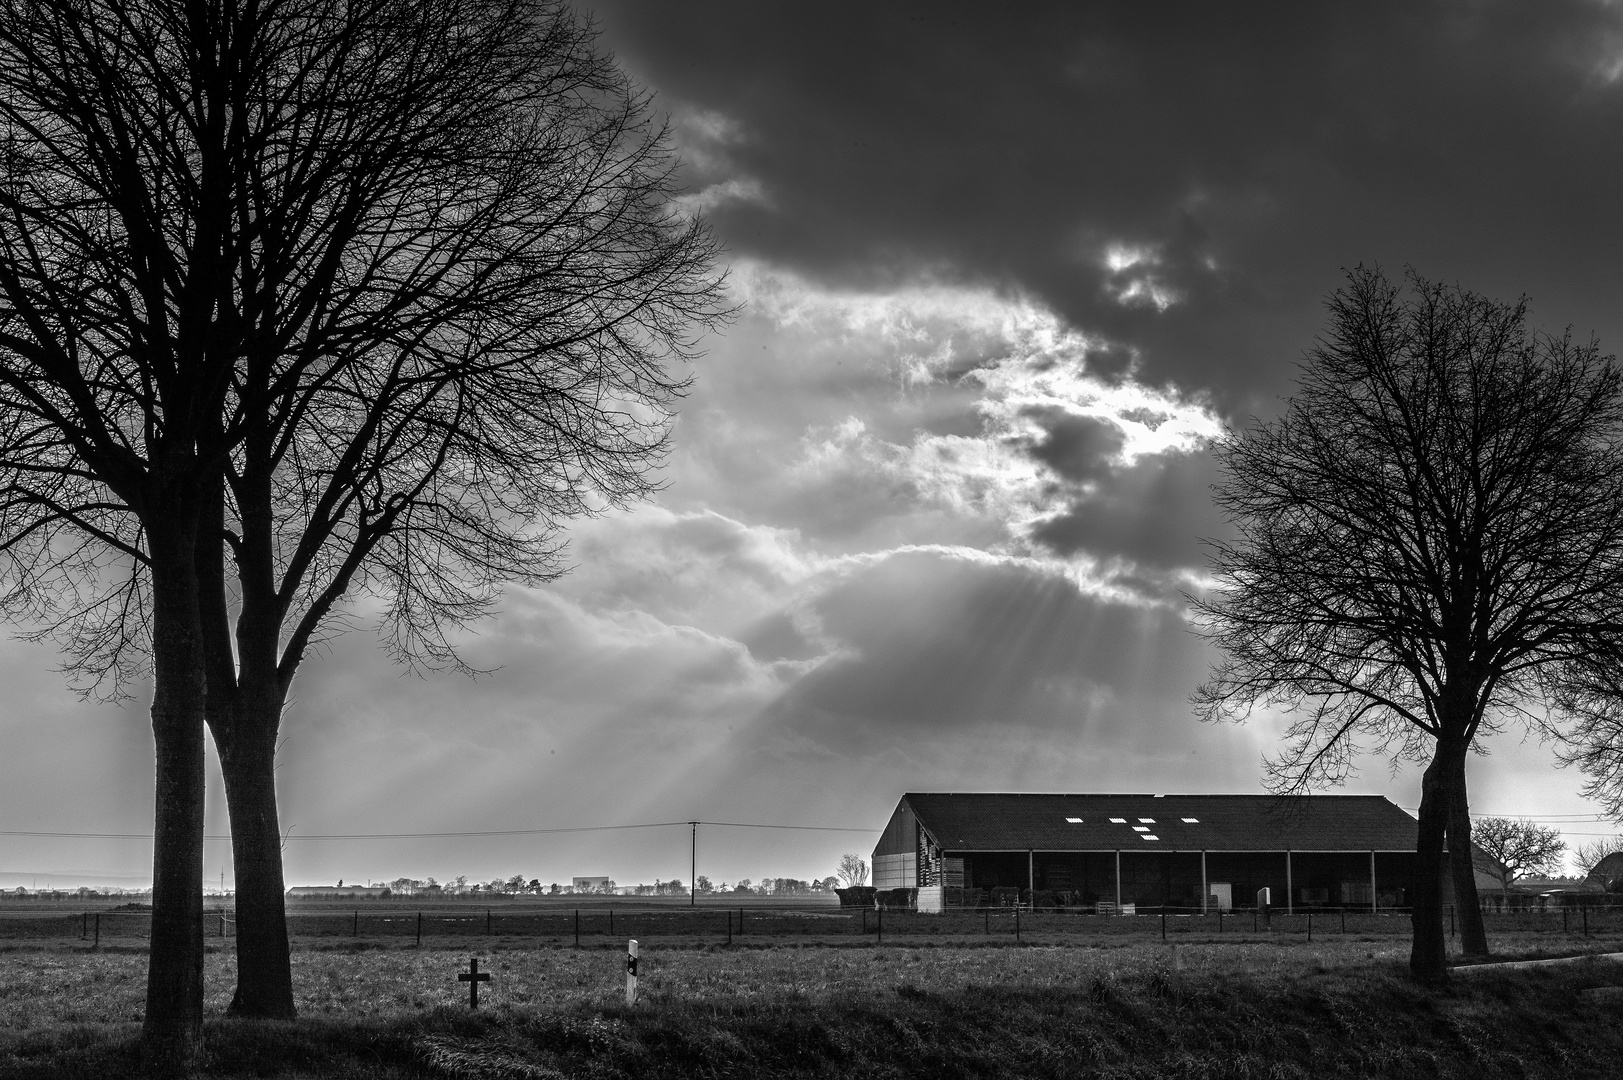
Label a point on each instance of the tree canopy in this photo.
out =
(298, 300)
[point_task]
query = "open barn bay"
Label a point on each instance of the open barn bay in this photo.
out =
(1118, 1009)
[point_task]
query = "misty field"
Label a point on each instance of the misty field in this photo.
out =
(1118, 1009)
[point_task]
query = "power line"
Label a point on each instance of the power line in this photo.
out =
(458, 833)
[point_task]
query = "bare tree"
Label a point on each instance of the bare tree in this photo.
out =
(1587, 854)
(1429, 538)
(363, 297)
(853, 870)
(1520, 847)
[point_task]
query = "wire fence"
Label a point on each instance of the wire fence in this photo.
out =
(600, 926)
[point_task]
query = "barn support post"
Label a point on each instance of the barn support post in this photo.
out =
(1118, 881)
(1205, 889)
(1290, 898)
(1374, 907)
(1031, 876)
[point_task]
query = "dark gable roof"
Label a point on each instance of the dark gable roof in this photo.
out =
(1010, 822)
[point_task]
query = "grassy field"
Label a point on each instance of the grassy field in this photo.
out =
(1278, 1008)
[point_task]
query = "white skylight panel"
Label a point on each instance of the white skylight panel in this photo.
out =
(1147, 820)
(1119, 820)
(1074, 820)
(1191, 821)
(1141, 828)
(1149, 838)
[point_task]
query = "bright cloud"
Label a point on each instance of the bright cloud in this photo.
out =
(1020, 373)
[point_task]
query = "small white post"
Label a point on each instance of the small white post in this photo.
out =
(631, 972)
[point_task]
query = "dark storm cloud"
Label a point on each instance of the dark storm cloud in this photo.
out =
(1076, 447)
(1246, 152)
(1154, 512)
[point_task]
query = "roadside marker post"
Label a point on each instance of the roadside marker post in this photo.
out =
(631, 972)
(473, 977)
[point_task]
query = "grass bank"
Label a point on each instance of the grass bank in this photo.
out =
(1218, 1010)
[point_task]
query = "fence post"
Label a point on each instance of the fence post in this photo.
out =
(355, 930)
(611, 919)
(729, 926)
(1219, 920)
(986, 918)
(1017, 923)
(1585, 909)
(487, 922)
(419, 929)
(1343, 920)
(577, 928)
(1563, 918)
(880, 940)
(1163, 922)
(1310, 928)
(97, 943)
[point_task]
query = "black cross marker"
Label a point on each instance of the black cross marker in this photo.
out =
(473, 977)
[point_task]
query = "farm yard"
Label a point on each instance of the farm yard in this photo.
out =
(589, 922)
(1111, 1002)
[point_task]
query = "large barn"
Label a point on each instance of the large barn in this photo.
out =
(1205, 852)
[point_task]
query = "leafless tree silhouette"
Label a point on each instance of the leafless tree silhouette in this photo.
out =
(1587, 854)
(1429, 540)
(302, 300)
(1519, 846)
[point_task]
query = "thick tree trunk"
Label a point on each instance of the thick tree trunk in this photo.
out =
(248, 761)
(1428, 956)
(1468, 907)
(172, 1034)
(244, 717)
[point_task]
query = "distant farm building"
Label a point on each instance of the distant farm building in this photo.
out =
(1208, 852)
(338, 892)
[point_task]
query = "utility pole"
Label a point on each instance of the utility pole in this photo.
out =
(693, 866)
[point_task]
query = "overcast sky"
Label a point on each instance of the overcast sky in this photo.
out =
(937, 492)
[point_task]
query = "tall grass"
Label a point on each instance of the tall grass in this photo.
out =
(1343, 1008)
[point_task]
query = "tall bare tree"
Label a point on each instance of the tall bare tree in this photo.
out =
(853, 869)
(416, 277)
(1520, 847)
(1429, 539)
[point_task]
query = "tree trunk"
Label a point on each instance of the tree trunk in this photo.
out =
(248, 762)
(172, 1034)
(1468, 906)
(1428, 957)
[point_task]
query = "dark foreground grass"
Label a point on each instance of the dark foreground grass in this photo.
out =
(1209, 1011)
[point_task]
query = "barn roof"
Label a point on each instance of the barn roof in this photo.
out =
(963, 821)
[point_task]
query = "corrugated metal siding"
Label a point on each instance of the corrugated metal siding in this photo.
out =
(895, 871)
